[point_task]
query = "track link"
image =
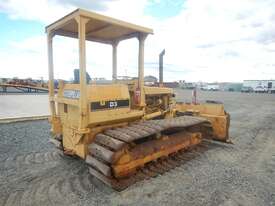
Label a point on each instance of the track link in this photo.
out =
(110, 145)
(152, 169)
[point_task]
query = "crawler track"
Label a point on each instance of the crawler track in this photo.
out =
(143, 143)
(153, 169)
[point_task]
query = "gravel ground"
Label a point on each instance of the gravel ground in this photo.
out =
(33, 173)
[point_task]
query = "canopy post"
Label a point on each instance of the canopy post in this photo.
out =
(114, 75)
(83, 104)
(141, 39)
(50, 36)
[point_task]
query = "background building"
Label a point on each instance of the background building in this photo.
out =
(268, 84)
(150, 80)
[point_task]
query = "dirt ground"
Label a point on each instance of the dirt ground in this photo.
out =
(16, 105)
(33, 173)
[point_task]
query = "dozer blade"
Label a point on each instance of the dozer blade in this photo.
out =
(122, 156)
(218, 119)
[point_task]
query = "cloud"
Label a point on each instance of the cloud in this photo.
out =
(34, 10)
(222, 37)
(210, 40)
(30, 54)
(47, 11)
(24, 59)
(101, 5)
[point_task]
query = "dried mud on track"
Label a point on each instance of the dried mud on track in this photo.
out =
(32, 172)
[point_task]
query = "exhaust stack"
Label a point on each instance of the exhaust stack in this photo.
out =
(161, 67)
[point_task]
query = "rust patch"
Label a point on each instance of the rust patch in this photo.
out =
(153, 150)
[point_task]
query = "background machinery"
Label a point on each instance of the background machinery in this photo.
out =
(123, 130)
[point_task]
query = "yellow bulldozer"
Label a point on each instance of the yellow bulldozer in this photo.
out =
(124, 130)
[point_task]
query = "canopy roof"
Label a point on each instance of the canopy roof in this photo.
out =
(99, 28)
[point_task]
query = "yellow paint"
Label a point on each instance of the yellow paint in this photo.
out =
(126, 164)
(71, 116)
(215, 113)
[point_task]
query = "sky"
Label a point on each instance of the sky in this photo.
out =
(205, 40)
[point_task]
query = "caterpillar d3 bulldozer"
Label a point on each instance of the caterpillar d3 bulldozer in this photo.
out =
(125, 131)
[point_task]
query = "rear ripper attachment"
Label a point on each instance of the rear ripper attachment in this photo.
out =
(121, 156)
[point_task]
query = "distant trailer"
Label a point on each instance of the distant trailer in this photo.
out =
(265, 85)
(168, 84)
(22, 88)
(211, 87)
